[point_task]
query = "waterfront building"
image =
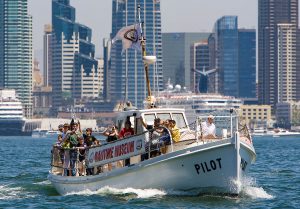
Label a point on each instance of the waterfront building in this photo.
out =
(73, 56)
(247, 63)
(277, 33)
(288, 114)
(16, 54)
(47, 53)
(177, 57)
(256, 115)
(127, 76)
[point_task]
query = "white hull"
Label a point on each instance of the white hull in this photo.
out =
(211, 167)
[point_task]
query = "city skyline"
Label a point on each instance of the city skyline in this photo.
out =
(201, 16)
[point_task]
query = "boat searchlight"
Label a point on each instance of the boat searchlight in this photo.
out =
(149, 60)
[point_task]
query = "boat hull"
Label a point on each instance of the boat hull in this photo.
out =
(11, 127)
(213, 167)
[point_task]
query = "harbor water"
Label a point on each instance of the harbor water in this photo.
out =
(272, 182)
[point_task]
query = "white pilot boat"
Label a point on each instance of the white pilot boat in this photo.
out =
(193, 163)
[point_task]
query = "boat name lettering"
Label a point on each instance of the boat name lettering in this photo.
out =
(243, 164)
(208, 166)
(115, 151)
(104, 154)
(124, 149)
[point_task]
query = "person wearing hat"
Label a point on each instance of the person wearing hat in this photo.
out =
(208, 128)
(61, 128)
(65, 131)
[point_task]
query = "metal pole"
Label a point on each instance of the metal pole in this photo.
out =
(231, 128)
(144, 53)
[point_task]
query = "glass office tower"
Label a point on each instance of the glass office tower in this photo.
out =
(226, 33)
(16, 50)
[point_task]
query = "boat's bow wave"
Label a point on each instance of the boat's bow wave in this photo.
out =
(251, 190)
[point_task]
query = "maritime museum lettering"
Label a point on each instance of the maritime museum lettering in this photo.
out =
(116, 151)
(208, 166)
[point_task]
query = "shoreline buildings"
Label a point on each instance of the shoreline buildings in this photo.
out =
(126, 70)
(74, 68)
(278, 52)
(16, 53)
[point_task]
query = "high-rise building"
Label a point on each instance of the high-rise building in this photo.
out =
(127, 76)
(73, 56)
(247, 63)
(232, 52)
(106, 69)
(177, 57)
(47, 73)
(226, 37)
(277, 34)
(287, 65)
(16, 54)
(200, 62)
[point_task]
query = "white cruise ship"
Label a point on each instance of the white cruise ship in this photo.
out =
(195, 104)
(11, 113)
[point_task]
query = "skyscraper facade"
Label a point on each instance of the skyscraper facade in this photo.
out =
(73, 55)
(47, 75)
(226, 37)
(200, 62)
(177, 57)
(287, 65)
(16, 52)
(247, 63)
(127, 76)
(275, 40)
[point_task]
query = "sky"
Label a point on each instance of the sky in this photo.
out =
(177, 16)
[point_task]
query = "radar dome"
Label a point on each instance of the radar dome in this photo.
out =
(177, 87)
(170, 87)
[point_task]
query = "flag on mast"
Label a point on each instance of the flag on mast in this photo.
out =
(130, 36)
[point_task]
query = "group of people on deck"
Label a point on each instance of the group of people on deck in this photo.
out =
(73, 143)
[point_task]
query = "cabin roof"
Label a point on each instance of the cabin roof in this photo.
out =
(152, 110)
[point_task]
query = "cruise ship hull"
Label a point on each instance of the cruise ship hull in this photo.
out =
(9, 127)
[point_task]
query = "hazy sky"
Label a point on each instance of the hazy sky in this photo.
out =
(177, 16)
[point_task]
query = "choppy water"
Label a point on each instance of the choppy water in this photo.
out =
(273, 181)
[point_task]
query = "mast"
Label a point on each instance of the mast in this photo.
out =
(144, 53)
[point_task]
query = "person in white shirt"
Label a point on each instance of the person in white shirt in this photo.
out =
(208, 128)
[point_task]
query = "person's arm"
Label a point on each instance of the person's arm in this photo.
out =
(106, 133)
(143, 122)
(79, 126)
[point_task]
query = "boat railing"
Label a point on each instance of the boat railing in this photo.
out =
(226, 126)
(109, 156)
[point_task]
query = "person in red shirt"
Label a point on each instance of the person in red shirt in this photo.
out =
(126, 131)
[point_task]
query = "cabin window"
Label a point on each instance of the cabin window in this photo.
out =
(180, 122)
(120, 125)
(149, 118)
(164, 116)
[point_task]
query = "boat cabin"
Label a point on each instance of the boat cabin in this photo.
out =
(148, 116)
